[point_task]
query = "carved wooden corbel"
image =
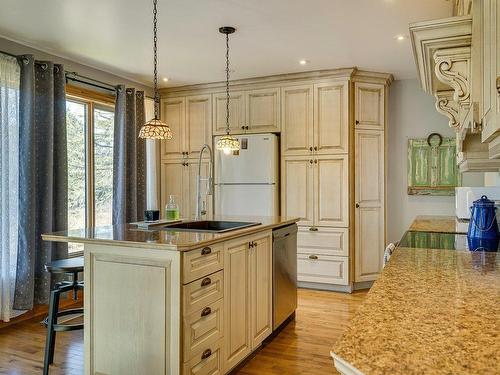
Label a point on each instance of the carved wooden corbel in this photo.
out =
(453, 68)
(448, 107)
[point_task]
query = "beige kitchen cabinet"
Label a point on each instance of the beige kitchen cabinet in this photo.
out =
(237, 112)
(315, 119)
(316, 189)
(297, 188)
(297, 120)
(369, 106)
(331, 191)
(179, 178)
(247, 295)
(262, 111)
(369, 196)
(331, 118)
(190, 119)
(174, 114)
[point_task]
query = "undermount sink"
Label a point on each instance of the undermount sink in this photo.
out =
(213, 226)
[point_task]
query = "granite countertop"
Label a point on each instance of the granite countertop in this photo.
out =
(441, 224)
(130, 235)
(430, 312)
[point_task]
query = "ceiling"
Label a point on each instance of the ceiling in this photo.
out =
(271, 37)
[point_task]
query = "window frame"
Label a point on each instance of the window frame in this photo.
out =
(92, 100)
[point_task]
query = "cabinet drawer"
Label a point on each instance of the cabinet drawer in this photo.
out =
(325, 269)
(325, 241)
(202, 262)
(206, 362)
(202, 292)
(202, 328)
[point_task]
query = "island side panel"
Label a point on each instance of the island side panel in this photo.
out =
(132, 310)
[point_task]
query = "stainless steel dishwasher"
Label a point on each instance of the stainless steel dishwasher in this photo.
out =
(284, 273)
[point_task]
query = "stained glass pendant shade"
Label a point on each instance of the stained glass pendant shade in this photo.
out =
(155, 128)
(227, 143)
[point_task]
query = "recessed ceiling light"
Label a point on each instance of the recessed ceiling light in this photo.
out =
(400, 37)
(303, 62)
(165, 79)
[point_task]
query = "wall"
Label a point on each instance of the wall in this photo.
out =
(412, 114)
(71, 66)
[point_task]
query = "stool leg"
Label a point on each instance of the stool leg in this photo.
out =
(51, 334)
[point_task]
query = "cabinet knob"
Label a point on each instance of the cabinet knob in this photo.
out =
(207, 353)
(357, 122)
(314, 257)
(246, 127)
(315, 148)
(243, 128)
(310, 148)
(250, 245)
(187, 164)
(315, 161)
(206, 311)
(206, 281)
(206, 251)
(310, 161)
(313, 229)
(357, 205)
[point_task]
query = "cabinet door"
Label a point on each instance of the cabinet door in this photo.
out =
(174, 114)
(262, 110)
(198, 123)
(175, 181)
(370, 201)
(297, 189)
(236, 112)
(488, 13)
(261, 274)
(331, 117)
(297, 120)
(206, 200)
(369, 105)
(237, 343)
(331, 196)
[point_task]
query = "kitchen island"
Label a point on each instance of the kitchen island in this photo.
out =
(432, 311)
(172, 302)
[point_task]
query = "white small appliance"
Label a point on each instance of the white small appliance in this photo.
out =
(247, 181)
(465, 196)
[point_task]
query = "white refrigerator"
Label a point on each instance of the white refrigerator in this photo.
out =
(247, 181)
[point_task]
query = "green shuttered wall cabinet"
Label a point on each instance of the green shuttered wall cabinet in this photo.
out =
(432, 168)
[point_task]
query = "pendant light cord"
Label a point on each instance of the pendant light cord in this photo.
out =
(227, 84)
(155, 62)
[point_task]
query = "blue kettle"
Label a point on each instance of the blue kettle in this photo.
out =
(483, 227)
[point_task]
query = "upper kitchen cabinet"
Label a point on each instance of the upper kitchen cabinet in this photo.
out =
(190, 118)
(252, 111)
(297, 120)
(198, 123)
(174, 113)
(457, 62)
(237, 116)
(315, 118)
(331, 117)
(262, 111)
(370, 106)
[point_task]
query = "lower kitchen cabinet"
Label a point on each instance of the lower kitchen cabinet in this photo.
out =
(207, 362)
(247, 295)
(326, 269)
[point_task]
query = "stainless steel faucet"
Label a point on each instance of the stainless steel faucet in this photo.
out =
(199, 210)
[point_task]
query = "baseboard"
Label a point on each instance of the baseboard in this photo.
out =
(363, 285)
(329, 287)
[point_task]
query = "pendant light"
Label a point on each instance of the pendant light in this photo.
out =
(227, 143)
(155, 128)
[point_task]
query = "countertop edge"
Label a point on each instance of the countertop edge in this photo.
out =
(344, 367)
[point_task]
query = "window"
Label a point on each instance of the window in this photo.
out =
(90, 127)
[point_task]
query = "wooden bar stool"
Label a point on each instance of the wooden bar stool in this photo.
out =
(70, 266)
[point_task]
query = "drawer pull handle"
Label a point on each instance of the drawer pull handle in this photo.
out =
(206, 281)
(313, 229)
(206, 251)
(206, 311)
(313, 257)
(207, 353)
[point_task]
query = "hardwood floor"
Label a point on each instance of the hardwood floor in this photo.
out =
(303, 347)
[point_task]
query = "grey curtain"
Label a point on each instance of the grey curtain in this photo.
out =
(43, 184)
(129, 159)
